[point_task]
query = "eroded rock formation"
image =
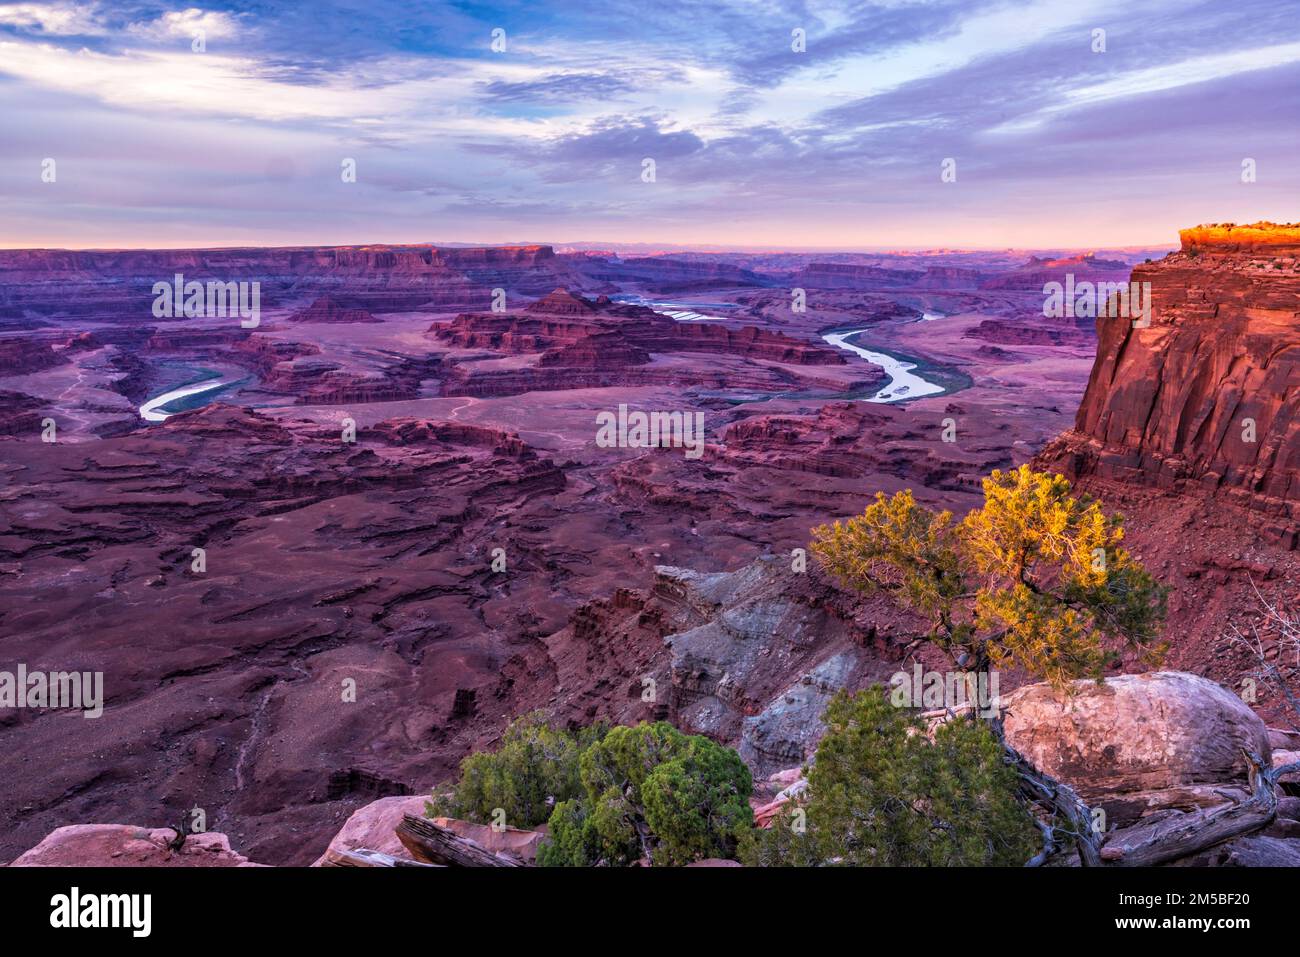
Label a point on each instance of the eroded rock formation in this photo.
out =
(1207, 396)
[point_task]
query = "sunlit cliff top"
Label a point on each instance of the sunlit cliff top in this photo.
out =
(1229, 237)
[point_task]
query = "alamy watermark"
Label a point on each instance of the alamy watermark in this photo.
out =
(651, 430)
(192, 300)
(953, 690)
(77, 690)
(1089, 300)
(74, 909)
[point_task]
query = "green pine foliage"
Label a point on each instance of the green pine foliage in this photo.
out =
(609, 796)
(883, 794)
(651, 791)
(535, 768)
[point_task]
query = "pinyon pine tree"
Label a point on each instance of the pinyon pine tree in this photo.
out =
(1035, 576)
(651, 791)
(534, 769)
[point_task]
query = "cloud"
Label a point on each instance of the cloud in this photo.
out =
(186, 25)
(53, 19)
(557, 88)
(751, 139)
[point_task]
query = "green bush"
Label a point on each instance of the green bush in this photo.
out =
(652, 791)
(534, 770)
(571, 840)
(883, 794)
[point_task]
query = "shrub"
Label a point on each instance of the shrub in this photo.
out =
(881, 793)
(534, 770)
(652, 791)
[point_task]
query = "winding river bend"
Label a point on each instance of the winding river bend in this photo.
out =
(151, 411)
(903, 384)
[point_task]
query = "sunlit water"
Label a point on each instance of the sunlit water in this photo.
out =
(151, 411)
(903, 384)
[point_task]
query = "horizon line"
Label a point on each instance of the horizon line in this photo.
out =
(614, 246)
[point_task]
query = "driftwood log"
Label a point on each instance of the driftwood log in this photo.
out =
(365, 857)
(433, 844)
(1177, 835)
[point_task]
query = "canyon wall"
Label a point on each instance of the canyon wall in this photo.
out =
(1206, 396)
(116, 285)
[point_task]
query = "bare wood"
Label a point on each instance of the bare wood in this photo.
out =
(1179, 835)
(1058, 798)
(434, 844)
(365, 857)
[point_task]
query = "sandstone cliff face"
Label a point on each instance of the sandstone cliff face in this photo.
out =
(1207, 395)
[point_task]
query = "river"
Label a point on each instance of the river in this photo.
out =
(903, 384)
(676, 310)
(150, 411)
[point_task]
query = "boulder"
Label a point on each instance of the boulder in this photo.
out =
(374, 826)
(512, 841)
(1138, 743)
(765, 814)
(125, 845)
(1281, 759)
(1283, 739)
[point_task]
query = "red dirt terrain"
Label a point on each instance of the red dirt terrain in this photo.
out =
(399, 491)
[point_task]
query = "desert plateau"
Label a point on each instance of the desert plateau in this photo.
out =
(782, 437)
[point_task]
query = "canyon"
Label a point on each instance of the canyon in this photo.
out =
(410, 535)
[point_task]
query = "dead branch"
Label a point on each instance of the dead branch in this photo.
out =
(1181, 835)
(434, 844)
(1060, 800)
(365, 857)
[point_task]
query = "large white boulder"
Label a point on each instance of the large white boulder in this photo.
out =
(1136, 743)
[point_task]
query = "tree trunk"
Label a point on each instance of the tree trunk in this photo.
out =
(1180, 835)
(1058, 798)
(433, 844)
(365, 857)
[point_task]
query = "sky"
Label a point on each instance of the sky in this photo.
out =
(234, 123)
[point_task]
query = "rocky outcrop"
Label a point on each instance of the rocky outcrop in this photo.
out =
(1038, 271)
(1136, 743)
(329, 309)
(561, 302)
(854, 276)
(595, 343)
(21, 354)
(116, 285)
(1035, 332)
(1206, 398)
(124, 845)
(766, 651)
(821, 275)
(374, 827)
(854, 438)
(665, 274)
(20, 413)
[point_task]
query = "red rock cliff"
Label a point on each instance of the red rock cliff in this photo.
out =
(1206, 396)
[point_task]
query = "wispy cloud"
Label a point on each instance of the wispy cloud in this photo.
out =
(754, 140)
